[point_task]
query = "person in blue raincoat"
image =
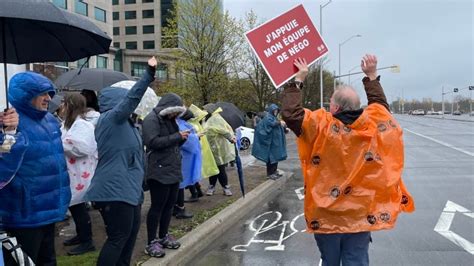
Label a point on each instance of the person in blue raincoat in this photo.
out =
(191, 163)
(269, 143)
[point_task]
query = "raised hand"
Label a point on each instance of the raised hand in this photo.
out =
(302, 66)
(152, 62)
(368, 65)
(185, 134)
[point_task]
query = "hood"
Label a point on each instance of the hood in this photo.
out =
(24, 87)
(272, 107)
(170, 103)
(198, 113)
(110, 97)
(92, 116)
(187, 115)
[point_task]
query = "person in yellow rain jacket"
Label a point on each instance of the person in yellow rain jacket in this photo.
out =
(209, 166)
(221, 139)
(352, 163)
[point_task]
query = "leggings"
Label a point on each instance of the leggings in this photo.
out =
(163, 198)
(221, 176)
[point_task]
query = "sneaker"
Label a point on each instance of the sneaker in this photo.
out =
(154, 249)
(273, 176)
(227, 191)
(169, 242)
(279, 173)
(210, 190)
(72, 241)
(81, 249)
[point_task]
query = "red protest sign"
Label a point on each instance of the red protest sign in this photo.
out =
(278, 42)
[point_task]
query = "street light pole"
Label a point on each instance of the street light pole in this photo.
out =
(442, 100)
(349, 82)
(341, 44)
(321, 64)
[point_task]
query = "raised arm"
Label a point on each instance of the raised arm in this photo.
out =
(372, 86)
(125, 108)
(292, 110)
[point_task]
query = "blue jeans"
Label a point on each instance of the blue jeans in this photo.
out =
(350, 248)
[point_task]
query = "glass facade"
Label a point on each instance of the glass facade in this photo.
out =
(101, 62)
(162, 72)
(81, 62)
(166, 7)
(138, 68)
(80, 7)
(60, 3)
(99, 14)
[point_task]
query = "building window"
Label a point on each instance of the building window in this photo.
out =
(130, 2)
(131, 30)
(147, 1)
(147, 29)
(138, 68)
(116, 15)
(99, 14)
(116, 31)
(101, 62)
(131, 45)
(117, 44)
(117, 65)
(162, 72)
(115, 2)
(60, 3)
(150, 13)
(148, 45)
(82, 61)
(80, 7)
(130, 14)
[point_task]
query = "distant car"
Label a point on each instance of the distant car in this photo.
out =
(246, 138)
(438, 113)
(430, 113)
(471, 113)
(418, 112)
(457, 112)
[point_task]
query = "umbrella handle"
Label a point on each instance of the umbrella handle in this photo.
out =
(4, 51)
(86, 62)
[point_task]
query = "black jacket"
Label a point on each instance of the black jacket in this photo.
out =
(162, 139)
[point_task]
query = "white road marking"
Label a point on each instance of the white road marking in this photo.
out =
(299, 193)
(445, 221)
(441, 142)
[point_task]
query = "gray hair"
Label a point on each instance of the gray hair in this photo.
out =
(346, 97)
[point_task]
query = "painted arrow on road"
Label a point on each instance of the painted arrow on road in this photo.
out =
(445, 221)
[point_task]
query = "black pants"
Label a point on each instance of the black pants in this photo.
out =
(81, 218)
(122, 222)
(271, 168)
(163, 198)
(37, 243)
(180, 199)
(221, 176)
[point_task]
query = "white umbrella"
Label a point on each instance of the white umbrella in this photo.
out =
(148, 102)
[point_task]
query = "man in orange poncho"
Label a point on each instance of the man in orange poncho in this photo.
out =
(352, 163)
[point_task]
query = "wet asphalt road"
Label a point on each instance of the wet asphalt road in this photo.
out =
(439, 172)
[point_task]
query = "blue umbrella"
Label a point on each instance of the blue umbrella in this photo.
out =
(240, 171)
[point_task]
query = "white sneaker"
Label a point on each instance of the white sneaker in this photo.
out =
(210, 190)
(227, 191)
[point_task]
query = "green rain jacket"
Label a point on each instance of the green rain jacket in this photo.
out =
(219, 133)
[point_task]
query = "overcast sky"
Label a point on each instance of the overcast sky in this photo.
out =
(431, 40)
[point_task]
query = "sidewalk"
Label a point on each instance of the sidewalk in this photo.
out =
(207, 206)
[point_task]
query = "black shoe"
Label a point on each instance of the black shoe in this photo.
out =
(183, 214)
(192, 199)
(72, 241)
(82, 248)
(199, 191)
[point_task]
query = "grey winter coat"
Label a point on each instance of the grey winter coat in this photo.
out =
(162, 140)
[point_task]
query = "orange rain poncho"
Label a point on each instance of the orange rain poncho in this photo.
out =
(352, 173)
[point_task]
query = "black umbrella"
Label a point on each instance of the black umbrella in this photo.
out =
(231, 114)
(89, 79)
(55, 102)
(38, 31)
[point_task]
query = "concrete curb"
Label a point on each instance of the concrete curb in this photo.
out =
(198, 239)
(450, 118)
